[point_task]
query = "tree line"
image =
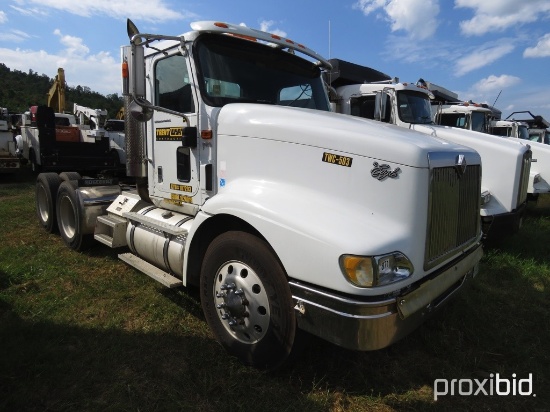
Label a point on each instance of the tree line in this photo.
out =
(21, 90)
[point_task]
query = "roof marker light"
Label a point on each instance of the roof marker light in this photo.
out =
(222, 25)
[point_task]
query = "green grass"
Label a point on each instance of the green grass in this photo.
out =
(83, 331)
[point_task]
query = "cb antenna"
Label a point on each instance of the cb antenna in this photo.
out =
(497, 98)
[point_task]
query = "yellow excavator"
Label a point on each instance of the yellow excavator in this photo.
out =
(120, 114)
(56, 94)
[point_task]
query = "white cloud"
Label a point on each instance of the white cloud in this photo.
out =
(495, 83)
(15, 36)
(147, 10)
(428, 54)
(542, 49)
(481, 57)
(417, 17)
(99, 71)
(74, 46)
(499, 15)
(3, 17)
(265, 25)
(30, 11)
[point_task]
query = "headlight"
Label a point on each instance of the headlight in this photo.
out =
(485, 197)
(370, 271)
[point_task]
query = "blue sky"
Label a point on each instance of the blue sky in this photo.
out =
(476, 48)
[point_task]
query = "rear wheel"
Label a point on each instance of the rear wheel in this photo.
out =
(70, 217)
(46, 193)
(247, 301)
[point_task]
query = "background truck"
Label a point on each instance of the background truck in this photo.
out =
(53, 141)
(9, 162)
(289, 218)
(117, 140)
(486, 119)
(537, 126)
(95, 125)
(367, 93)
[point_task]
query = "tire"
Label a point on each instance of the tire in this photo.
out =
(69, 176)
(45, 198)
(70, 217)
(246, 300)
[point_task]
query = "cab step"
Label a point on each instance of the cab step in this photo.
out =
(152, 271)
(111, 231)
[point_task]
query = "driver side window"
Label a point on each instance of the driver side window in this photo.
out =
(173, 85)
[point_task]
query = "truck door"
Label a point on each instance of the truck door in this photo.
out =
(176, 167)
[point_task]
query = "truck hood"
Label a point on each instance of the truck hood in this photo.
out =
(476, 140)
(332, 131)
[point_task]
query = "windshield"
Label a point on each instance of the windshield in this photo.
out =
(414, 107)
(502, 131)
(523, 132)
(479, 123)
(233, 70)
(452, 119)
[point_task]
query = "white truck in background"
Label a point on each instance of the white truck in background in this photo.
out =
(535, 127)
(486, 119)
(287, 216)
(117, 140)
(95, 125)
(9, 162)
(55, 142)
(364, 92)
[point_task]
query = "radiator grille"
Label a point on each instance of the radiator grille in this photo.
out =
(453, 212)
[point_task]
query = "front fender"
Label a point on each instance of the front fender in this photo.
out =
(309, 230)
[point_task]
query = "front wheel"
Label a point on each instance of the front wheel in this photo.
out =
(247, 301)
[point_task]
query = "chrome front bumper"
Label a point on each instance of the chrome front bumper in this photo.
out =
(361, 323)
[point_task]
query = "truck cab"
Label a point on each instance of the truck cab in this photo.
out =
(538, 128)
(469, 116)
(527, 127)
(509, 128)
(288, 217)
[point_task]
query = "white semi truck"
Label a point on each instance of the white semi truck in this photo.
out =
(9, 162)
(364, 92)
(483, 118)
(288, 217)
